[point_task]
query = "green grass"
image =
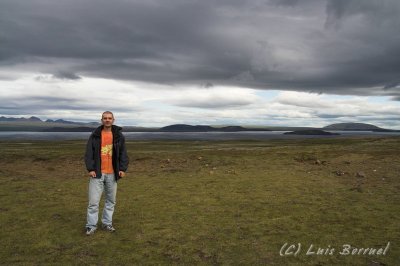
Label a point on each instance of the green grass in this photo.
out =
(204, 202)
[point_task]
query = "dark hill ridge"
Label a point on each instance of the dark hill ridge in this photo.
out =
(71, 122)
(185, 128)
(358, 127)
(310, 132)
(38, 120)
(204, 128)
(352, 126)
(66, 129)
(14, 119)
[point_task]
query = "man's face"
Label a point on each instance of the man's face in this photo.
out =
(107, 120)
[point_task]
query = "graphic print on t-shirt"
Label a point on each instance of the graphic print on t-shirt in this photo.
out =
(106, 152)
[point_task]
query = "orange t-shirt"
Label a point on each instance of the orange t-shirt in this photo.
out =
(106, 152)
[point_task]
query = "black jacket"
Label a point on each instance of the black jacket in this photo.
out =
(120, 159)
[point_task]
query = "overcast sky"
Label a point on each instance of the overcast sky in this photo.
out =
(158, 62)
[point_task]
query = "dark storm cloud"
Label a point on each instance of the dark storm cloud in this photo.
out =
(42, 104)
(215, 102)
(66, 75)
(343, 47)
(330, 116)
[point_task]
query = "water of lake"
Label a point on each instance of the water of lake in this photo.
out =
(252, 135)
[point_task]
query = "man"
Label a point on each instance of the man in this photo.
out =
(106, 160)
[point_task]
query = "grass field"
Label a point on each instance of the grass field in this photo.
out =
(205, 203)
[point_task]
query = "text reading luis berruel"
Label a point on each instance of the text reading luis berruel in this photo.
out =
(289, 249)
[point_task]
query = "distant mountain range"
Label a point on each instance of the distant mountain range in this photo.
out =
(310, 132)
(37, 119)
(357, 127)
(202, 128)
(34, 123)
(352, 126)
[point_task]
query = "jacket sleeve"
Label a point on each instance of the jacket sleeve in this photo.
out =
(89, 155)
(124, 159)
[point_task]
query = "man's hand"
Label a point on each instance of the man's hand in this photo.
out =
(121, 173)
(92, 174)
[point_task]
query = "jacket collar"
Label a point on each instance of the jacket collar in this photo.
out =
(114, 129)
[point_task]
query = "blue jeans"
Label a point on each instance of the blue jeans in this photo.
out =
(96, 186)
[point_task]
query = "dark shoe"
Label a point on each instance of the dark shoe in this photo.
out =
(90, 231)
(108, 227)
